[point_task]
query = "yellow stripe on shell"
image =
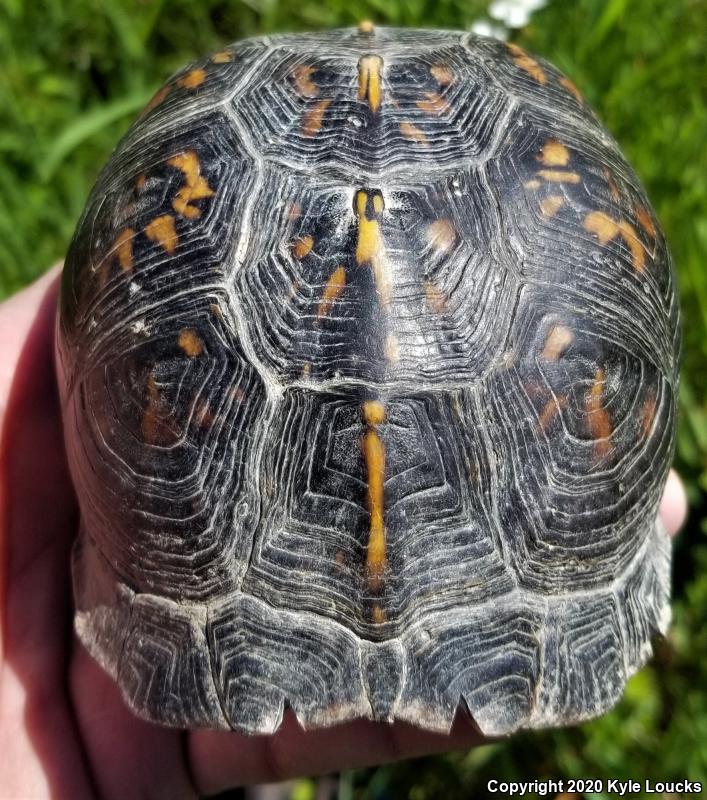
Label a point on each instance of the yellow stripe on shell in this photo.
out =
(374, 457)
(369, 245)
(373, 412)
(369, 81)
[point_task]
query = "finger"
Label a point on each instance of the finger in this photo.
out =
(222, 760)
(673, 505)
(131, 757)
(38, 738)
(17, 316)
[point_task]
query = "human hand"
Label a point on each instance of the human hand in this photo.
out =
(64, 730)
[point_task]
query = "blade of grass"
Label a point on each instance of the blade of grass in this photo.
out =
(87, 126)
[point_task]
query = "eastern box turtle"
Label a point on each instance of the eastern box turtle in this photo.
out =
(369, 343)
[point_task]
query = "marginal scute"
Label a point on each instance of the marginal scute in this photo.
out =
(369, 342)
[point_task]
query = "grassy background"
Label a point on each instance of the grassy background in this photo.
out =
(73, 73)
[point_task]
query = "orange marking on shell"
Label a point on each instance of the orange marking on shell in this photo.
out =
(441, 235)
(558, 176)
(190, 342)
(647, 415)
(611, 183)
(645, 221)
(532, 184)
(314, 117)
(442, 74)
(203, 415)
(554, 154)
(123, 246)
(378, 615)
(549, 206)
(215, 309)
(605, 229)
(601, 225)
(302, 81)
(192, 79)
(157, 429)
(222, 57)
(332, 291)
(433, 104)
(195, 187)
(237, 394)
(373, 412)
(410, 131)
(162, 231)
(527, 64)
(572, 89)
(535, 389)
(558, 340)
(550, 409)
(391, 348)
(302, 246)
(598, 419)
(140, 181)
(435, 299)
(158, 97)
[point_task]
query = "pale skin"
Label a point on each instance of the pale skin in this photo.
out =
(64, 731)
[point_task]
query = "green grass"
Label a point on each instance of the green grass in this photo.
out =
(74, 74)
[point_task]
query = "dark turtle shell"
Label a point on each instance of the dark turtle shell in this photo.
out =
(369, 342)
